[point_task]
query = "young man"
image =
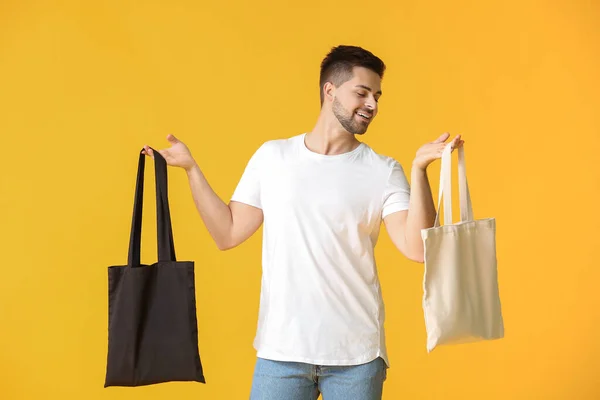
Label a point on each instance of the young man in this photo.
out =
(322, 197)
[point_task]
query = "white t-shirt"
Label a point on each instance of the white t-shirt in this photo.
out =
(320, 299)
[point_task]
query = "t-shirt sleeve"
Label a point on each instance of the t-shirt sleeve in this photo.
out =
(248, 188)
(397, 191)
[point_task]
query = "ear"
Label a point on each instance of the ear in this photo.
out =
(328, 91)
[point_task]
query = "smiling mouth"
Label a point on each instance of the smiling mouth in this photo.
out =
(364, 116)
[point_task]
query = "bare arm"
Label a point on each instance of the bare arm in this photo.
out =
(405, 227)
(229, 225)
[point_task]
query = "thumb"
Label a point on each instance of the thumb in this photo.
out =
(442, 138)
(172, 139)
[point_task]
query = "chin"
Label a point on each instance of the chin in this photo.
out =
(356, 132)
(362, 131)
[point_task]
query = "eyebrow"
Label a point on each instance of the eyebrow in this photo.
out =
(369, 89)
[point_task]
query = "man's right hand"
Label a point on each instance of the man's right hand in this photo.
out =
(228, 225)
(178, 155)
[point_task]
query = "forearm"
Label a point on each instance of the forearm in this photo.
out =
(421, 212)
(215, 214)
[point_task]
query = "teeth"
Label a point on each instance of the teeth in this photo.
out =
(363, 115)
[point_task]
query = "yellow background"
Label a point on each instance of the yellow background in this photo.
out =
(83, 85)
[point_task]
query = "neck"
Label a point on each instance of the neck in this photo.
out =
(329, 137)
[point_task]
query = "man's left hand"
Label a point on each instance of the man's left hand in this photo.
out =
(430, 152)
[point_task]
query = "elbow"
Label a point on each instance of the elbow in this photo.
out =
(418, 259)
(224, 246)
(414, 256)
(418, 255)
(414, 251)
(224, 243)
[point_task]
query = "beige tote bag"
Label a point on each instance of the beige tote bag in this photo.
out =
(461, 299)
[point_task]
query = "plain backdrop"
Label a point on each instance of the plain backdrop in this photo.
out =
(84, 85)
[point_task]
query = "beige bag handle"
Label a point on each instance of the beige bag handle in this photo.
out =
(445, 188)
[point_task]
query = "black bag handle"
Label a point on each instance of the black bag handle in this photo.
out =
(166, 247)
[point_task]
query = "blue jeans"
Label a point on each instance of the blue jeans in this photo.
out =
(278, 380)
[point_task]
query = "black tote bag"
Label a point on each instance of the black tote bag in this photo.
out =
(152, 326)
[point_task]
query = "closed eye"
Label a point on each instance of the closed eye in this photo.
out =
(364, 95)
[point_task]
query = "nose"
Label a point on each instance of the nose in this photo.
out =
(371, 104)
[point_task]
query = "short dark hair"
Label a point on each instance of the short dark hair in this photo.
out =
(337, 66)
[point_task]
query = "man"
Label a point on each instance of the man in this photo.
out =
(322, 197)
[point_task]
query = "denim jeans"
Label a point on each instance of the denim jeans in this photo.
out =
(278, 380)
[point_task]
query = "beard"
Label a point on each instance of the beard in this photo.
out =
(347, 119)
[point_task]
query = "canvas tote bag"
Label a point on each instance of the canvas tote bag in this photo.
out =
(152, 327)
(461, 299)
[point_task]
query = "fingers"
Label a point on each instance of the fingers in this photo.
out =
(442, 138)
(147, 151)
(457, 142)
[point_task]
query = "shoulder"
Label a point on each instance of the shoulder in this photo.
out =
(384, 162)
(283, 144)
(391, 172)
(276, 148)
